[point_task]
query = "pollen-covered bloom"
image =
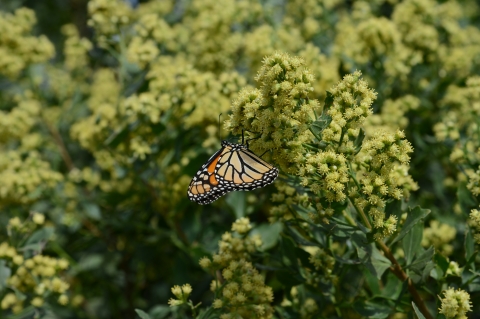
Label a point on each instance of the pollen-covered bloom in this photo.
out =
(244, 293)
(352, 103)
(277, 114)
(377, 163)
(182, 293)
(474, 222)
(455, 304)
(440, 236)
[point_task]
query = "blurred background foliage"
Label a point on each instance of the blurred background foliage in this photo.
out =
(109, 107)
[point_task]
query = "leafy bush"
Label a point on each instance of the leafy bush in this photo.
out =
(371, 111)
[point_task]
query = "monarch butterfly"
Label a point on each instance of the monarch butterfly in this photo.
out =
(234, 167)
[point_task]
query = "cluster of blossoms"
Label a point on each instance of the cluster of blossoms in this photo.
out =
(439, 236)
(107, 17)
(392, 115)
(35, 279)
(455, 304)
(278, 114)
(474, 222)
(352, 104)
(241, 291)
(323, 264)
(182, 294)
(377, 162)
(308, 306)
(22, 178)
(75, 48)
(17, 47)
(461, 106)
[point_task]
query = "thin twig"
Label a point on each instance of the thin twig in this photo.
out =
(398, 271)
(63, 149)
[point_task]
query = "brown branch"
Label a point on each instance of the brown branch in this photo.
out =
(398, 271)
(63, 149)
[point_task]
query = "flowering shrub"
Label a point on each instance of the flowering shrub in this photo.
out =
(369, 109)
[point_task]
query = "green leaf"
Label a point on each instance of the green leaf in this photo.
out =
(441, 265)
(142, 314)
(394, 208)
(469, 244)
(24, 314)
(417, 312)
(89, 262)
(412, 242)
(465, 198)
(414, 216)
(371, 309)
(421, 261)
(159, 312)
(270, 234)
(328, 101)
(117, 137)
(92, 211)
(5, 273)
(41, 235)
(359, 141)
(289, 257)
(289, 278)
(237, 201)
(372, 258)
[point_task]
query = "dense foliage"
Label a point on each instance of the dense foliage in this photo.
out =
(370, 110)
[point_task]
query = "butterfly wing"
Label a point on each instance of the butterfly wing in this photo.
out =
(241, 169)
(233, 167)
(204, 187)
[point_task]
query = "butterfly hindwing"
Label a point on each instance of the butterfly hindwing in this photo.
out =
(241, 169)
(233, 167)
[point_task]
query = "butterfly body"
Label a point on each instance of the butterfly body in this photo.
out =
(234, 167)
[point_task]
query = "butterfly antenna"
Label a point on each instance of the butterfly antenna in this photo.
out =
(243, 139)
(219, 127)
(264, 153)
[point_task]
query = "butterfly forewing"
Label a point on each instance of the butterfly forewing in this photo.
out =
(233, 167)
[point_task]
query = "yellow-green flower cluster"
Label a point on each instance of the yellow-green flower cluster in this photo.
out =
(323, 263)
(207, 34)
(104, 98)
(25, 178)
(107, 17)
(17, 123)
(454, 269)
(330, 175)
(182, 294)
(352, 101)
(18, 48)
(474, 222)
(308, 306)
(461, 106)
(75, 48)
(378, 179)
(455, 304)
(286, 196)
(183, 90)
(440, 236)
(278, 113)
(392, 115)
(37, 278)
(242, 293)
